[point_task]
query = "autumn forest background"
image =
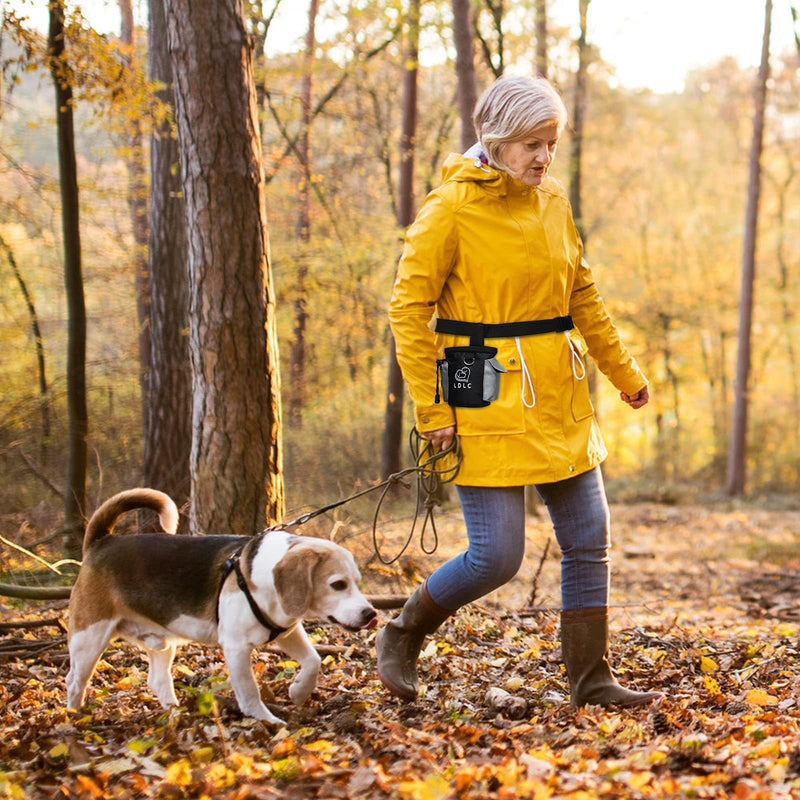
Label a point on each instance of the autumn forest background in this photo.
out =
(197, 248)
(663, 188)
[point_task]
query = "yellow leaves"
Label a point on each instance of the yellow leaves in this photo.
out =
(219, 776)
(320, 746)
(432, 787)
(60, 752)
(708, 665)
(179, 773)
(760, 697)
(141, 745)
(711, 686)
(769, 748)
(131, 680)
(9, 788)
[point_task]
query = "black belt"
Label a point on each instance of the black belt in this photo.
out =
(478, 331)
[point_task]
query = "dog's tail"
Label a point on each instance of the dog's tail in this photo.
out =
(102, 521)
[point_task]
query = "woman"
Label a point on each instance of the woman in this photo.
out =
(496, 244)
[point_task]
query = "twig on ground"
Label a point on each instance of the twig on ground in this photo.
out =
(535, 586)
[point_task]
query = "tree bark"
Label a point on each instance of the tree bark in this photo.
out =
(737, 453)
(137, 204)
(465, 69)
(578, 112)
(541, 38)
(168, 430)
(393, 415)
(297, 393)
(235, 463)
(75, 496)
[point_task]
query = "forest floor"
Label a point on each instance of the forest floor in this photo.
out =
(705, 609)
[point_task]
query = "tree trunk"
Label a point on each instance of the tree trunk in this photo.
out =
(168, 430)
(737, 454)
(393, 415)
(541, 38)
(497, 11)
(578, 112)
(137, 204)
(297, 393)
(235, 463)
(465, 69)
(75, 495)
(38, 342)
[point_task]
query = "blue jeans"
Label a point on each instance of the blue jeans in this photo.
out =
(495, 520)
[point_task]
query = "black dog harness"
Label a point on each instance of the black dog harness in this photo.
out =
(232, 565)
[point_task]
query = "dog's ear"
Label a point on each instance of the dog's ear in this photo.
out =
(294, 582)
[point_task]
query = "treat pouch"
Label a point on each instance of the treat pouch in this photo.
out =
(469, 375)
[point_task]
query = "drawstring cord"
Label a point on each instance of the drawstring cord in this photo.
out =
(576, 359)
(526, 378)
(527, 383)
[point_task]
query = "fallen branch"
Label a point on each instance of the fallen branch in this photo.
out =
(56, 622)
(35, 592)
(388, 601)
(535, 582)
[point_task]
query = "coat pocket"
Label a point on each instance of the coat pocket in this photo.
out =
(581, 404)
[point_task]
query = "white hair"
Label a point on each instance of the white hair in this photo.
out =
(511, 108)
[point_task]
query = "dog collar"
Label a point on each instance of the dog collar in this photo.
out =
(232, 565)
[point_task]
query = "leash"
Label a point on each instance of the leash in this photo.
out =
(429, 478)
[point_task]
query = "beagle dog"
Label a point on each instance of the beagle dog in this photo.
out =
(158, 590)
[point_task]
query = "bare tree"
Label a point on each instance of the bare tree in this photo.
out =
(541, 38)
(737, 453)
(578, 111)
(168, 430)
(235, 463)
(75, 495)
(297, 392)
(496, 11)
(137, 204)
(393, 414)
(38, 342)
(465, 69)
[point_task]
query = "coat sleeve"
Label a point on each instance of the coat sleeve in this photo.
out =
(428, 255)
(601, 335)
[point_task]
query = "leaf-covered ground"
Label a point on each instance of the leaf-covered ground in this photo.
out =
(705, 609)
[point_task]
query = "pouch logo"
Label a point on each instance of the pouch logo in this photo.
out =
(462, 378)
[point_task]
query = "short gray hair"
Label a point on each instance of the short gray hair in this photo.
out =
(511, 108)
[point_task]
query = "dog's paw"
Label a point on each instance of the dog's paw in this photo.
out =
(299, 692)
(262, 713)
(271, 718)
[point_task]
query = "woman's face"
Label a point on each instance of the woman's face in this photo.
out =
(529, 159)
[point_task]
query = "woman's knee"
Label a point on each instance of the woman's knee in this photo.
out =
(495, 567)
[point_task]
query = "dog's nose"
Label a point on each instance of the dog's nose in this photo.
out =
(369, 617)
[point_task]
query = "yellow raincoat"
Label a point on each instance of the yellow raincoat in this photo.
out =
(487, 248)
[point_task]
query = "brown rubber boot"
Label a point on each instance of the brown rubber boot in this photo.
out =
(399, 642)
(584, 646)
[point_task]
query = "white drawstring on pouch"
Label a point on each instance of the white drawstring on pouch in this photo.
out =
(526, 378)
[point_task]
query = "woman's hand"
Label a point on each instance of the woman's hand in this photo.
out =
(641, 398)
(442, 438)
